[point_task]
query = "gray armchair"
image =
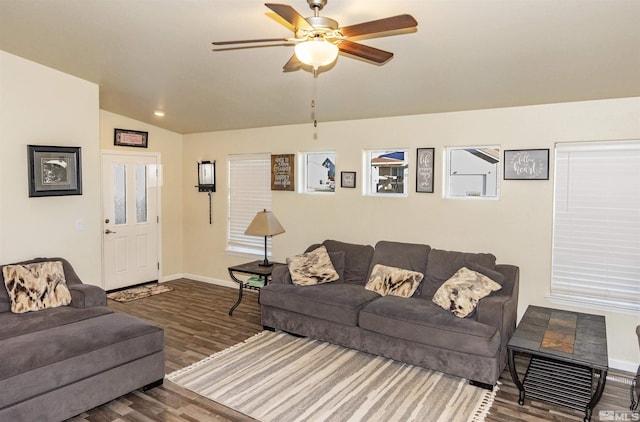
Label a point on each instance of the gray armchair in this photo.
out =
(635, 384)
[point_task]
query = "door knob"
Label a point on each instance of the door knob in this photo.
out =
(108, 231)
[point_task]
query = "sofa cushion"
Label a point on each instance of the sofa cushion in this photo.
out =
(461, 293)
(339, 303)
(357, 259)
(12, 325)
(312, 268)
(394, 281)
(441, 265)
(36, 286)
(424, 322)
(410, 256)
(45, 360)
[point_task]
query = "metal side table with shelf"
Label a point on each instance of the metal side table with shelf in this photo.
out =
(252, 268)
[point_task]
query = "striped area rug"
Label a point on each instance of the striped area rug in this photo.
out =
(279, 377)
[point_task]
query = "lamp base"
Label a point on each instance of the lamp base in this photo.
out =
(265, 263)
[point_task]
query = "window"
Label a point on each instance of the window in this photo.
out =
(596, 225)
(387, 172)
(472, 172)
(249, 192)
(320, 172)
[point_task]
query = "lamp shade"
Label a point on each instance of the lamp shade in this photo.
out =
(316, 52)
(264, 224)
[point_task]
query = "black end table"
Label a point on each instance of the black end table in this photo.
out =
(566, 349)
(251, 268)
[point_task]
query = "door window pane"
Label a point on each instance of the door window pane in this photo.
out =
(120, 193)
(141, 193)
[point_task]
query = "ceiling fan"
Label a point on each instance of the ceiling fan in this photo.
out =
(319, 39)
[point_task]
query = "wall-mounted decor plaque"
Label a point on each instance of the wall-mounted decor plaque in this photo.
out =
(130, 138)
(283, 172)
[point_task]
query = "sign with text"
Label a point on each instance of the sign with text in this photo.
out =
(282, 172)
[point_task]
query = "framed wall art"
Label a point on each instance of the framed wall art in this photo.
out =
(54, 171)
(283, 172)
(424, 170)
(347, 179)
(526, 164)
(130, 138)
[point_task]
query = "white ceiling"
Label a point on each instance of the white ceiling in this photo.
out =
(466, 54)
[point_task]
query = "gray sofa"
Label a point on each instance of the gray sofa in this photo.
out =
(412, 330)
(59, 362)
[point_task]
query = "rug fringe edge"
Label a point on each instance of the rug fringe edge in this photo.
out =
(482, 410)
(171, 376)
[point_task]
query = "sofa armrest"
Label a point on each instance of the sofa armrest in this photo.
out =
(86, 295)
(500, 310)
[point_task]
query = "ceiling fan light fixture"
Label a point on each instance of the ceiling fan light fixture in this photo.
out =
(316, 52)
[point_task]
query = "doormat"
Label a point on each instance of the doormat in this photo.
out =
(138, 292)
(276, 377)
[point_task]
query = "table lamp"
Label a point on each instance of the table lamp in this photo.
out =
(264, 224)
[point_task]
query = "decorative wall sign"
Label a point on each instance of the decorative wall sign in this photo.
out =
(347, 179)
(283, 172)
(424, 170)
(130, 138)
(526, 164)
(54, 171)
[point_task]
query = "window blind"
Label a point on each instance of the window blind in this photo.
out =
(249, 192)
(596, 228)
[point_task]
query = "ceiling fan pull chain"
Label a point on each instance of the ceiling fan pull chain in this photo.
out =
(313, 113)
(313, 98)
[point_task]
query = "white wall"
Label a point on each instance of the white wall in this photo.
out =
(42, 106)
(516, 228)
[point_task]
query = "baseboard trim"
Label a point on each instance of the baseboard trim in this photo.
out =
(623, 365)
(210, 280)
(171, 277)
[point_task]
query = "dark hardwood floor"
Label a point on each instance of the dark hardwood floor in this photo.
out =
(197, 324)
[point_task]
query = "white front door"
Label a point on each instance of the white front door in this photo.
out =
(131, 224)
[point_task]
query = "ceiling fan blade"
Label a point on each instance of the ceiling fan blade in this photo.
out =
(250, 41)
(363, 51)
(292, 64)
(290, 14)
(380, 25)
(245, 47)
